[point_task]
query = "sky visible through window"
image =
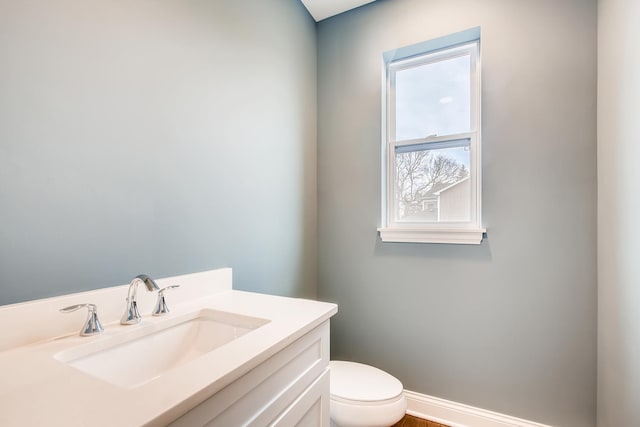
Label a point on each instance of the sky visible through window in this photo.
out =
(435, 99)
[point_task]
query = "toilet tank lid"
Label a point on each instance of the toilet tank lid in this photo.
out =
(362, 383)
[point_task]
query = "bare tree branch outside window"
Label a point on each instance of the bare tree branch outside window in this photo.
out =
(420, 174)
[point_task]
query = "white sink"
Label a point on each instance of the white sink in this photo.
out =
(134, 357)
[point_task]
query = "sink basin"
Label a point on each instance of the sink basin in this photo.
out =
(135, 357)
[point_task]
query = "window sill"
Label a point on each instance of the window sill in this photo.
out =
(460, 236)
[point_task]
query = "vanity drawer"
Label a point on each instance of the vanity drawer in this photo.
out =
(263, 394)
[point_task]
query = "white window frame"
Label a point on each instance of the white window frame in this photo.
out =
(396, 230)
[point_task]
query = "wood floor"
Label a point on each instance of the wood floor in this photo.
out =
(410, 421)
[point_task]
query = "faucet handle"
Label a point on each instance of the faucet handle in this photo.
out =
(92, 325)
(161, 305)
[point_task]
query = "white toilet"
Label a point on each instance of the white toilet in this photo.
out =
(364, 396)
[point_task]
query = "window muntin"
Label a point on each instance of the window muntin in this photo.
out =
(432, 141)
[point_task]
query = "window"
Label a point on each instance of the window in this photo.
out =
(431, 142)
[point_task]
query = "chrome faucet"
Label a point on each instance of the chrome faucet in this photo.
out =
(131, 315)
(161, 307)
(92, 325)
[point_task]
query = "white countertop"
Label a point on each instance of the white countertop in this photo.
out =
(38, 390)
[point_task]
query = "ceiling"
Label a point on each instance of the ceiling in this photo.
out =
(321, 9)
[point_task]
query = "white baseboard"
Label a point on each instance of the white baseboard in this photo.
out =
(458, 415)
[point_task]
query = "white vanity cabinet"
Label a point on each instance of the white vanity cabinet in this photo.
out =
(222, 358)
(291, 388)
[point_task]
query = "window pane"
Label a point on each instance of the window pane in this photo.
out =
(433, 185)
(433, 99)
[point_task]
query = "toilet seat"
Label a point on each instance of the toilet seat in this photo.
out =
(364, 396)
(356, 383)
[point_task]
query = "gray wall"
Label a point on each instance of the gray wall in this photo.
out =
(509, 325)
(618, 213)
(163, 137)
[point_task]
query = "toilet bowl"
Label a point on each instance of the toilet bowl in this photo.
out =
(364, 396)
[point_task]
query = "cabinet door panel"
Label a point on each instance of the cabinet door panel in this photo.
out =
(258, 397)
(311, 409)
